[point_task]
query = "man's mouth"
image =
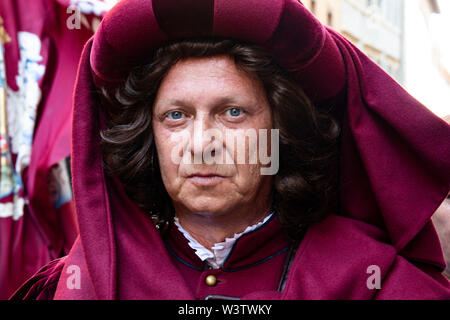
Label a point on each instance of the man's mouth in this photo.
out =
(205, 179)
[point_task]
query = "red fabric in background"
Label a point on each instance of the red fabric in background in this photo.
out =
(22, 245)
(43, 232)
(52, 136)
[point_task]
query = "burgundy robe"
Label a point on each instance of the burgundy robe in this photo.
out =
(255, 262)
(394, 173)
(325, 267)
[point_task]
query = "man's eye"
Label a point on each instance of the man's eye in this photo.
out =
(175, 115)
(235, 112)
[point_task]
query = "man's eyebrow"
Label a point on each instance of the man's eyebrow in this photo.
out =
(220, 101)
(227, 100)
(176, 102)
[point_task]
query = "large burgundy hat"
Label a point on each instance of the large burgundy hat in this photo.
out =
(395, 155)
(134, 29)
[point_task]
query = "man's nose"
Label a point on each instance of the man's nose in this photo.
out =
(205, 136)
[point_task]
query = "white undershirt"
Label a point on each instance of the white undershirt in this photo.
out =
(220, 251)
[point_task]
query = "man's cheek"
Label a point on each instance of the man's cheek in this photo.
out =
(248, 175)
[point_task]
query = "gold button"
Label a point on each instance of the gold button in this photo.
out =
(211, 280)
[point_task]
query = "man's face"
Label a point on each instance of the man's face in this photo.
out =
(210, 95)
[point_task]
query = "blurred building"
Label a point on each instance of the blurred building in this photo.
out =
(374, 26)
(402, 37)
(327, 11)
(427, 73)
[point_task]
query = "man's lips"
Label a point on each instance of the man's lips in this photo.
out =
(205, 179)
(205, 175)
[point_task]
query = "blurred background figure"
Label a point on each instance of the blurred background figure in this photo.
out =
(441, 220)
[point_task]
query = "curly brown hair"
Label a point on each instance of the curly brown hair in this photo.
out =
(305, 188)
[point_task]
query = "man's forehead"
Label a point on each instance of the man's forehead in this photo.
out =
(221, 66)
(215, 76)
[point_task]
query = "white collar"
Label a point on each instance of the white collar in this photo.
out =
(220, 251)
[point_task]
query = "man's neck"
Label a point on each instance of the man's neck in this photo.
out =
(209, 229)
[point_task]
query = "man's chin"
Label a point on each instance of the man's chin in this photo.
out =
(214, 207)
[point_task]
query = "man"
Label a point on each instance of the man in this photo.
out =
(169, 207)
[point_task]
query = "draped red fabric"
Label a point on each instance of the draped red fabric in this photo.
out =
(395, 163)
